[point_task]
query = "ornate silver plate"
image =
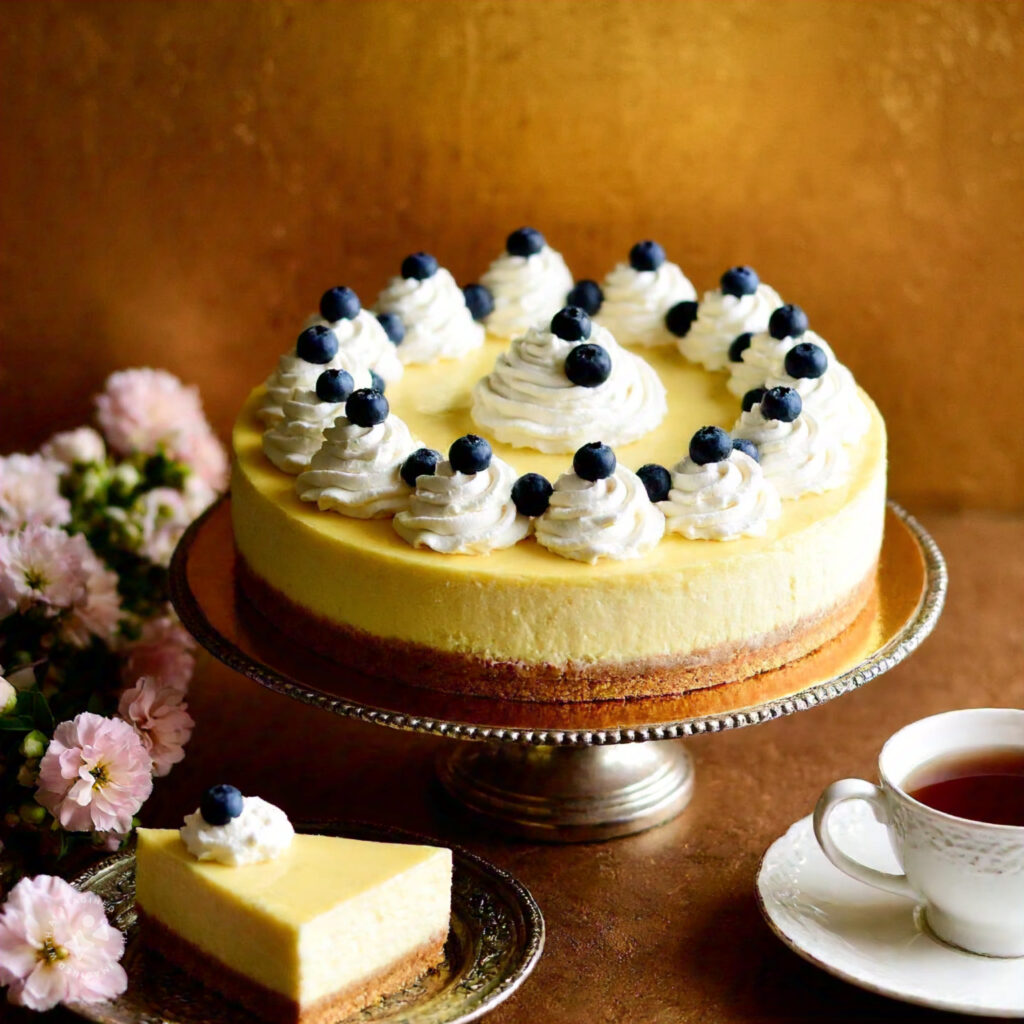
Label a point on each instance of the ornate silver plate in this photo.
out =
(496, 938)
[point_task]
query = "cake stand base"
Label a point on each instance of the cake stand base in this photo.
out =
(569, 794)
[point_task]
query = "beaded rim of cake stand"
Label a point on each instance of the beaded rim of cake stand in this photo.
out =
(890, 654)
(496, 939)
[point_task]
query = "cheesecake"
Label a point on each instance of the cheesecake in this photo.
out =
(305, 930)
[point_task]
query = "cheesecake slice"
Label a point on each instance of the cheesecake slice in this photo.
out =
(319, 931)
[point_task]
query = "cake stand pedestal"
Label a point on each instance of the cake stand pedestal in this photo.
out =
(563, 772)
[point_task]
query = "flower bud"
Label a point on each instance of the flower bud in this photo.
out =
(32, 813)
(34, 744)
(28, 774)
(8, 696)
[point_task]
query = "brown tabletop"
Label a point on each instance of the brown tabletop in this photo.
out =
(662, 926)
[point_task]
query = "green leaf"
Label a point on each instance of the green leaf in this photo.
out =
(16, 723)
(42, 716)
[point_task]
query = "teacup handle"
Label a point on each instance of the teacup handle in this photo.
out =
(856, 789)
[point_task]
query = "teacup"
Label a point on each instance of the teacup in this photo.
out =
(969, 874)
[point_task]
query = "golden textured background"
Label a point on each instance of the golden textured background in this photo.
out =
(179, 181)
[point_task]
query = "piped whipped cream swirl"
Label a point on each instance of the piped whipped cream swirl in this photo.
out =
(528, 401)
(357, 471)
(801, 457)
(363, 342)
(832, 398)
(527, 290)
(293, 374)
(463, 513)
(297, 437)
(720, 500)
(438, 324)
(261, 832)
(766, 359)
(721, 319)
(636, 301)
(589, 520)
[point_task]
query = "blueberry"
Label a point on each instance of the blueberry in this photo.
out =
(422, 462)
(739, 345)
(571, 324)
(219, 804)
(339, 304)
(479, 300)
(806, 360)
(367, 407)
(710, 444)
(741, 444)
(656, 480)
(469, 454)
(419, 266)
(393, 327)
(781, 403)
(751, 398)
(317, 344)
(524, 242)
(588, 365)
(679, 318)
(531, 494)
(739, 281)
(646, 256)
(587, 295)
(594, 461)
(334, 385)
(378, 382)
(787, 322)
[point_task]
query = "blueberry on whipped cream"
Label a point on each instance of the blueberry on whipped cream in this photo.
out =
(317, 344)
(710, 444)
(587, 295)
(788, 321)
(739, 281)
(588, 365)
(367, 407)
(531, 494)
(594, 461)
(751, 398)
(742, 444)
(646, 255)
(571, 323)
(422, 462)
(479, 301)
(393, 327)
(334, 385)
(470, 454)
(656, 480)
(524, 242)
(418, 266)
(738, 346)
(680, 318)
(781, 403)
(339, 303)
(233, 829)
(806, 360)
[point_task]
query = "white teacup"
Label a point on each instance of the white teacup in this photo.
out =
(970, 874)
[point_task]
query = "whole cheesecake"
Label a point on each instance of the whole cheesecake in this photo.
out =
(522, 622)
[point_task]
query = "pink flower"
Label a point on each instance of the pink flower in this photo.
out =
(161, 719)
(96, 774)
(30, 492)
(164, 651)
(98, 612)
(163, 516)
(56, 946)
(144, 410)
(71, 446)
(41, 565)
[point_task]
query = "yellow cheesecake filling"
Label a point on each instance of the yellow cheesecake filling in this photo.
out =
(525, 604)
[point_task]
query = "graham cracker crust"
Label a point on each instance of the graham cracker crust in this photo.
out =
(272, 1006)
(466, 674)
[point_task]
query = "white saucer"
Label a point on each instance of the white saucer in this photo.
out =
(868, 937)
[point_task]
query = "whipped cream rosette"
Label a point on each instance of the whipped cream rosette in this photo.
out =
(465, 507)
(599, 510)
(529, 283)
(362, 342)
(298, 435)
(357, 471)
(740, 305)
(438, 323)
(800, 453)
(827, 390)
(528, 401)
(244, 830)
(638, 294)
(720, 500)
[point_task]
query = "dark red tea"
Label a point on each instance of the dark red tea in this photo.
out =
(983, 785)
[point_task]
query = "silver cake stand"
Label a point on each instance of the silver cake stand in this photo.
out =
(562, 772)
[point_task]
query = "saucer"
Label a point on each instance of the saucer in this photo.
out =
(868, 937)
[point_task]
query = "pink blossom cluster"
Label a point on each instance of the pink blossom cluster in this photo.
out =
(45, 568)
(145, 410)
(30, 492)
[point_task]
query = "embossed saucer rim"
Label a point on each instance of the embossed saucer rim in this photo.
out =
(523, 918)
(913, 632)
(798, 845)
